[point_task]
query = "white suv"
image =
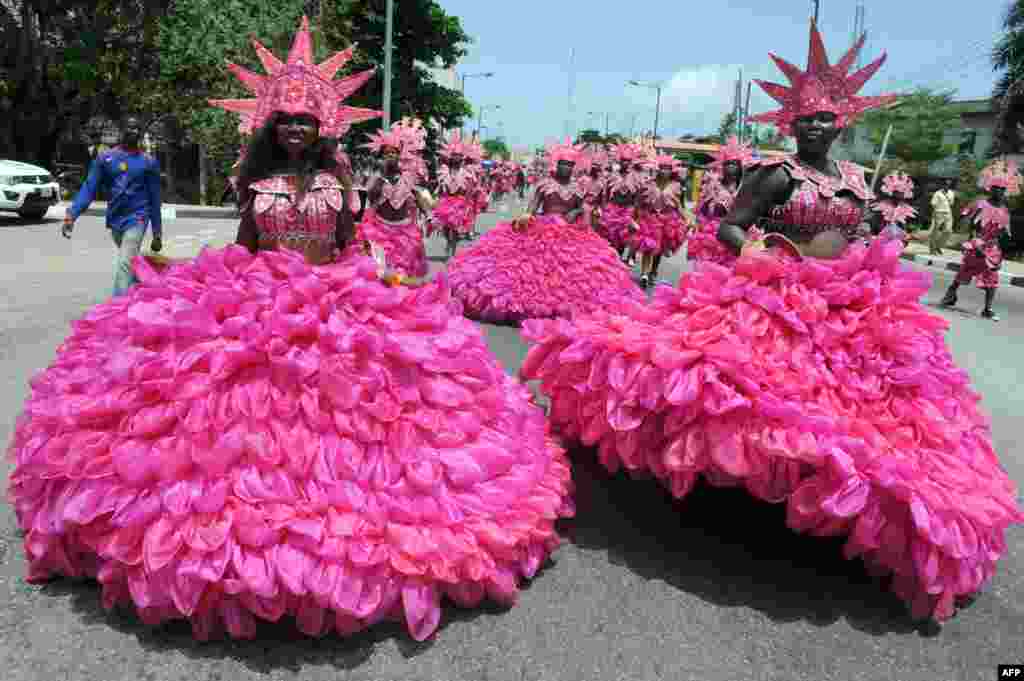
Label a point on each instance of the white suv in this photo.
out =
(27, 190)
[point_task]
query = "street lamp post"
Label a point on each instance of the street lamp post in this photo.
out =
(606, 115)
(657, 108)
(389, 27)
(480, 116)
(464, 76)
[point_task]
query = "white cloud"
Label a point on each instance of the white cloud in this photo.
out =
(696, 98)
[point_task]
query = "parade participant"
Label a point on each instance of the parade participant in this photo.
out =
(394, 201)
(545, 263)
(618, 213)
(248, 436)
(808, 373)
(676, 238)
(893, 208)
(721, 184)
(942, 217)
(660, 217)
(989, 219)
(132, 179)
(458, 189)
(594, 185)
(521, 181)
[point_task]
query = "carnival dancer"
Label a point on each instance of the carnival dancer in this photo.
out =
(893, 207)
(394, 201)
(618, 213)
(807, 373)
(990, 219)
(594, 185)
(718, 191)
(459, 191)
(248, 436)
(660, 218)
(543, 265)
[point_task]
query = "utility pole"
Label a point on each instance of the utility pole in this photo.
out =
(817, 8)
(746, 115)
(572, 87)
(389, 27)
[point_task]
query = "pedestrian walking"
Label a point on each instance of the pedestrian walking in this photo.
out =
(132, 178)
(942, 217)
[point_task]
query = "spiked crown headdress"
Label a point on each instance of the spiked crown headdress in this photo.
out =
(298, 86)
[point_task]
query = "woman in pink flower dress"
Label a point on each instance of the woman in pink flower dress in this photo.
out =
(990, 219)
(808, 373)
(893, 206)
(546, 265)
(660, 217)
(391, 220)
(459, 191)
(249, 436)
(720, 186)
(618, 211)
(594, 183)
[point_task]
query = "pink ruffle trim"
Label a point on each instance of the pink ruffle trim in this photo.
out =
(823, 384)
(551, 269)
(403, 244)
(247, 437)
(455, 213)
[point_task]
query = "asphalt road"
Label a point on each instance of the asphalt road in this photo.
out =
(713, 588)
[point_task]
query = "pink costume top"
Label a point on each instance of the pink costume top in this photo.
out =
(557, 198)
(397, 198)
(667, 199)
(593, 189)
(460, 183)
(819, 203)
(307, 226)
(623, 189)
(716, 198)
(991, 220)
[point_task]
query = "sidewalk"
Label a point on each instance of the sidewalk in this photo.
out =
(169, 211)
(1011, 273)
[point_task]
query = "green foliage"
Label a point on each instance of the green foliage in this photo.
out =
(919, 123)
(727, 127)
(1008, 60)
(496, 148)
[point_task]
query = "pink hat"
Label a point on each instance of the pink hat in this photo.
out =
(733, 150)
(898, 184)
(455, 146)
(822, 87)
(566, 151)
(407, 136)
(1001, 174)
(297, 87)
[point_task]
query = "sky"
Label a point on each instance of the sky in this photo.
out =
(539, 50)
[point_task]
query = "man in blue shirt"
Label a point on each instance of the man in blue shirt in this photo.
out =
(132, 179)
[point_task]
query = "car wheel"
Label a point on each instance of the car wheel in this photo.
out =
(32, 214)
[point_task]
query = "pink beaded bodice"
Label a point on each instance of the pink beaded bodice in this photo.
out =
(665, 199)
(593, 189)
(399, 195)
(819, 203)
(462, 181)
(625, 187)
(991, 220)
(716, 199)
(307, 225)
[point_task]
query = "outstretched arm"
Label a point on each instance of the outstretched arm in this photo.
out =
(764, 189)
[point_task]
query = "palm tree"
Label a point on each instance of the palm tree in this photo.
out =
(1008, 57)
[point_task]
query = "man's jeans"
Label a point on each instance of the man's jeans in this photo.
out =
(129, 243)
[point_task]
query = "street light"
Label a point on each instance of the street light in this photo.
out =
(657, 108)
(606, 115)
(464, 76)
(480, 116)
(389, 29)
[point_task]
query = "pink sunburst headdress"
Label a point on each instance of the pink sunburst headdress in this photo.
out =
(823, 87)
(733, 150)
(898, 184)
(456, 146)
(567, 151)
(299, 86)
(1001, 174)
(407, 136)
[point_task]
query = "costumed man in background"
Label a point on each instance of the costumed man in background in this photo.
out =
(132, 179)
(990, 219)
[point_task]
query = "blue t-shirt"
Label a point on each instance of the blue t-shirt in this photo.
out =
(133, 180)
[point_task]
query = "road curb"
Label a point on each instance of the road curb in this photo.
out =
(953, 266)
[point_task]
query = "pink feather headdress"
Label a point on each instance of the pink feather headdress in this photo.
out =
(298, 86)
(733, 150)
(628, 151)
(822, 87)
(468, 150)
(898, 184)
(407, 136)
(566, 151)
(1001, 174)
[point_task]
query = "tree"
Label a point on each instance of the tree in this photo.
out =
(1008, 58)
(424, 35)
(64, 61)
(496, 148)
(727, 128)
(919, 123)
(590, 136)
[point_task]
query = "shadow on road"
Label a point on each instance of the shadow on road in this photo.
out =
(730, 550)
